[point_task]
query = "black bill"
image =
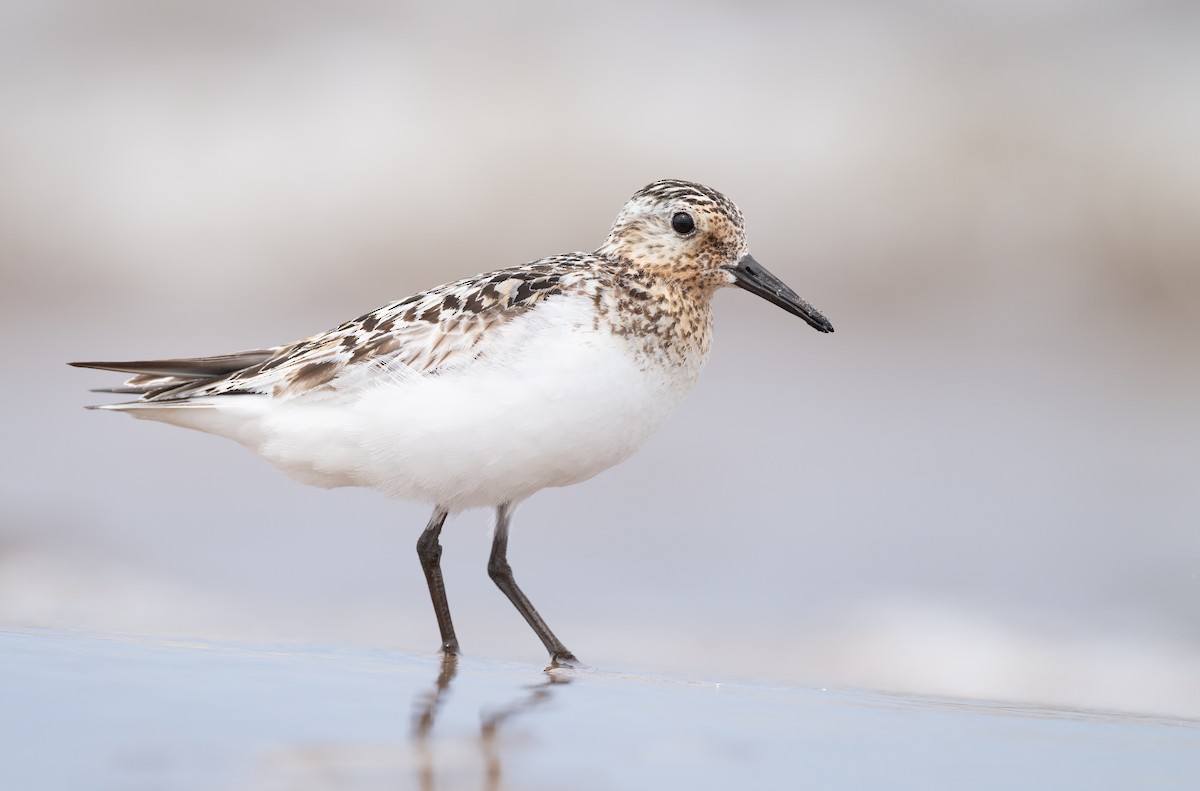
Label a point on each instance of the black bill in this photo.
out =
(757, 279)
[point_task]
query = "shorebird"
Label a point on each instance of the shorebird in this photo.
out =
(483, 391)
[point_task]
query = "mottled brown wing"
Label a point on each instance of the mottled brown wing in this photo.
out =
(426, 332)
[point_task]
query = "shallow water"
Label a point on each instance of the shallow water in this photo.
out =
(87, 710)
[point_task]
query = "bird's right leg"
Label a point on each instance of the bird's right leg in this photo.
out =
(430, 553)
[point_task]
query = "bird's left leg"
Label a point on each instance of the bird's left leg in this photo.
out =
(501, 573)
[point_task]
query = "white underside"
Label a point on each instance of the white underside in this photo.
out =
(552, 402)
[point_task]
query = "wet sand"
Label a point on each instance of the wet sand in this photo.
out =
(90, 710)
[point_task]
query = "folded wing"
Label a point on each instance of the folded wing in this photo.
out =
(428, 332)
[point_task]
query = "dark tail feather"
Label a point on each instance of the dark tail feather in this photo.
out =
(164, 379)
(119, 390)
(186, 367)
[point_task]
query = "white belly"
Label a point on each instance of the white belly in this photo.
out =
(552, 402)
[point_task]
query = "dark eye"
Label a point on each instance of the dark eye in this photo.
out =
(683, 223)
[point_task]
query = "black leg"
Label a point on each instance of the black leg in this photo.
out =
(501, 574)
(430, 553)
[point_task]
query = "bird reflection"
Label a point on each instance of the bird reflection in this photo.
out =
(537, 695)
(428, 703)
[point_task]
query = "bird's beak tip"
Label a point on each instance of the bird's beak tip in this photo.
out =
(757, 279)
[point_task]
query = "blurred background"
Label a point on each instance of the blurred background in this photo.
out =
(983, 484)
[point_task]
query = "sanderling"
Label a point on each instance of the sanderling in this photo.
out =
(483, 391)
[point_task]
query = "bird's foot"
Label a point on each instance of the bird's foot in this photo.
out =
(565, 660)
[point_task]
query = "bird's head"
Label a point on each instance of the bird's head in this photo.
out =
(680, 230)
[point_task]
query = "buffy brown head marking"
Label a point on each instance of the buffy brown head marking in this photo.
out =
(679, 231)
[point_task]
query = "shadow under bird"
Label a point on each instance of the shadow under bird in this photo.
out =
(485, 390)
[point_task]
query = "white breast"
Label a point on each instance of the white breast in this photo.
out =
(552, 401)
